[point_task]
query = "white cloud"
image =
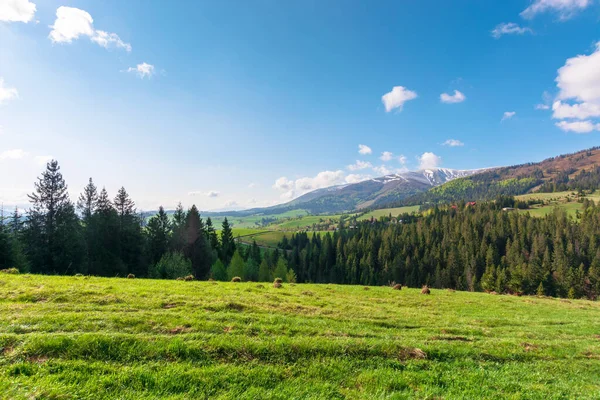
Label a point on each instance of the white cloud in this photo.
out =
(358, 165)
(107, 39)
(71, 23)
(383, 170)
(402, 159)
(453, 143)
(577, 111)
(252, 185)
(142, 70)
(457, 97)
(231, 203)
(578, 82)
(542, 107)
(429, 160)
(397, 97)
(565, 8)
(321, 180)
(17, 10)
(43, 160)
(14, 154)
(355, 178)
(578, 126)
(386, 156)
(289, 195)
(7, 93)
(507, 115)
(364, 149)
(283, 183)
(509, 28)
(212, 193)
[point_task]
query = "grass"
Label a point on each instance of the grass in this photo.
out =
(242, 232)
(385, 212)
(566, 201)
(101, 338)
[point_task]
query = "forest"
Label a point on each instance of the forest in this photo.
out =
(467, 246)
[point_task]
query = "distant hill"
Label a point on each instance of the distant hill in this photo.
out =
(566, 172)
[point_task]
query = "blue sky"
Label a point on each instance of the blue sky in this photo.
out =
(250, 103)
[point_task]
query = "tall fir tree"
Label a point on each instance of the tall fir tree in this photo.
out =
(227, 242)
(159, 235)
(196, 247)
(88, 200)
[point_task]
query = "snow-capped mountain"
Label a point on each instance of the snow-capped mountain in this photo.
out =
(377, 191)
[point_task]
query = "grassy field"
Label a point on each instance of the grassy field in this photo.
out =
(101, 338)
(385, 212)
(250, 221)
(566, 201)
(242, 232)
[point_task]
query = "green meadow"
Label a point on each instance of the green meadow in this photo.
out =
(101, 338)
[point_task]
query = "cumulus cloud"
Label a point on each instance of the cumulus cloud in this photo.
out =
(397, 97)
(578, 101)
(355, 178)
(143, 70)
(14, 154)
(17, 11)
(565, 8)
(231, 203)
(358, 165)
(453, 143)
(578, 126)
(429, 160)
(212, 193)
(386, 156)
(509, 28)
(7, 93)
(507, 115)
(402, 159)
(457, 97)
(283, 183)
(72, 23)
(383, 170)
(364, 149)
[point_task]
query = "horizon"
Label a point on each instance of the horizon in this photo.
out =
(240, 106)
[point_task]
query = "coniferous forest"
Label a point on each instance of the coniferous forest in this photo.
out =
(473, 247)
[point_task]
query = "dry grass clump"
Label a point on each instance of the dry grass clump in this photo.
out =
(131, 276)
(188, 278)
(12, 271)
(425, 290)
(236, 279)
(181, 278)
(277, 285)
(366, 288)
(397, 286)
(451, 290)
(278, 280)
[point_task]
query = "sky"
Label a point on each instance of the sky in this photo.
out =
(240, 104)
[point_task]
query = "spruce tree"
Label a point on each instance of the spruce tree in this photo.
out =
(218, 272)
(264, 271)
(196, 246)
(227, 242)
(237, 267)
(159, 235)
(88, 200)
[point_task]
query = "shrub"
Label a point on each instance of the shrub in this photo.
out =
(218, 271)
(171, 266)
(425, 290)
(12, 271)
(236, 279)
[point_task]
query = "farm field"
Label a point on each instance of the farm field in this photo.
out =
(251, 221)
(384, 212)
(566, 201)
(100, 338)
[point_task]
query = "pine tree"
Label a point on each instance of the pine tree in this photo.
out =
(281, 270)
(237, 267)
(159, 235)
(264, 271)
(218, 271)
(53, 235)
(227, 242)
(211, 235)
(178, 229)
(196, 246)
(88, 200)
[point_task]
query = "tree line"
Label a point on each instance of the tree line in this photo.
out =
(101, 236)
(467, 247)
